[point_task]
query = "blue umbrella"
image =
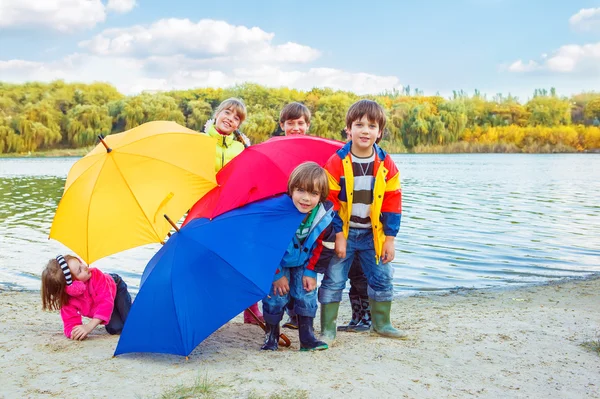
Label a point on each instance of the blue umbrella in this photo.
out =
(206, 274)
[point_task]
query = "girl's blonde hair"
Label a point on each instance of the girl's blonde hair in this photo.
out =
(235, 104)
(54, 284)
(310, 177)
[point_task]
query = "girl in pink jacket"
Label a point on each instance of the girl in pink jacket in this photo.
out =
(71, 286)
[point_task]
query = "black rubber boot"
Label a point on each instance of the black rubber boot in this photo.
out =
(364, 324)
(356, 306)
(308, 342)
(271, 338)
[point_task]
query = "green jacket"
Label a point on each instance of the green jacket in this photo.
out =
(227, 147)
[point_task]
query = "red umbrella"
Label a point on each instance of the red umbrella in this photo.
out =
(261, 171)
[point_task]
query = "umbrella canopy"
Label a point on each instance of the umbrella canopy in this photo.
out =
(206, 274)
(115, 198)
(261, 171)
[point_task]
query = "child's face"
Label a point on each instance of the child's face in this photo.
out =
(79, 270)
(363, 134)
(304, 200)
(295, 126)
(227, 121)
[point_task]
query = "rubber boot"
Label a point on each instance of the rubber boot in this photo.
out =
(271, 338)
(329, 313)
(380, 312)
(364, 324)
(356, 307)
(248, 319)
(306, 333)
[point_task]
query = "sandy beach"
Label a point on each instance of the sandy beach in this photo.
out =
(509, 343)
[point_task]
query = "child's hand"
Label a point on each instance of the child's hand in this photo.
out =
(281, 286)
(340, 245)
(388, 251)
(309, 283)
(80, 332)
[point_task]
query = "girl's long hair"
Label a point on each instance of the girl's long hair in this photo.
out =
(54, 284)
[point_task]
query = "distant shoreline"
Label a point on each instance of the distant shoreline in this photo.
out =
(56, 153)
(80, 152)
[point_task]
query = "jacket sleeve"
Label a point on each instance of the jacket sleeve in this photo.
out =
(70, 317)
(278, 274)
(322, 254)
(103, 295)
(334, 169)
(391, 209)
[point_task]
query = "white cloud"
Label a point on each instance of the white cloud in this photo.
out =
(121, 6)
(574, 59)
(60, 15)
(206, 38)
(519, 66)
(181, 54)
(132, 75)
(586, 19)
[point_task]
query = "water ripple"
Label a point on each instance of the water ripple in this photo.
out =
(469, 221)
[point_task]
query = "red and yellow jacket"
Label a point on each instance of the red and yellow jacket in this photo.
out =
(386, 210)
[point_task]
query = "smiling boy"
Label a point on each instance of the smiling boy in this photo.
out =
(364, 187)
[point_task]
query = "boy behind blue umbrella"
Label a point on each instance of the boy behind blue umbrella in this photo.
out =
(311, 246)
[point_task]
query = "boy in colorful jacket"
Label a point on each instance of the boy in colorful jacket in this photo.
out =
(364, 186)
(311, 245)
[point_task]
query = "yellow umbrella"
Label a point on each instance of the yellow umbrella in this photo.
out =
(115, 197)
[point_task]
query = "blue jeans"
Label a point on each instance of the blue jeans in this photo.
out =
(305, 303)
(121, 308)
(379, 276)
(358, 284)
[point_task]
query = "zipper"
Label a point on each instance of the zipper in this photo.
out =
(223, 153)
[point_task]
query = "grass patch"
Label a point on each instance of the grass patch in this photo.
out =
(201, 388)
(593, 345)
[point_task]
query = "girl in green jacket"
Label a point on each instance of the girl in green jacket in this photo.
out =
(227, 119)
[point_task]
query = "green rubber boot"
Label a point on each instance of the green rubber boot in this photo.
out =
(329, 314)
(380, 314)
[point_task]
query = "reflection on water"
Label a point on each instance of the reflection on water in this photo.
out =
(468, 221)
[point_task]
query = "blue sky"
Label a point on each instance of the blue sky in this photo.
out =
(496, 46)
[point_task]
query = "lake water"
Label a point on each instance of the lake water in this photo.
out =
(469, 221)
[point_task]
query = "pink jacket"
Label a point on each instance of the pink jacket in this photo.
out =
(96, 301)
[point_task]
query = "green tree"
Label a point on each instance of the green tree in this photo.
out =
(86, 122)
(197, 113)
(592, 109)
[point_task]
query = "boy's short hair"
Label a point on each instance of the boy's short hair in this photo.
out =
(371, 109)
(235, 104)
(293, 111)
(310, 177)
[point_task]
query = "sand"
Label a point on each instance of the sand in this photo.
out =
(509, 343)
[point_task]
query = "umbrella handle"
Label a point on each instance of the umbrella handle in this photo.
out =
(282, 337)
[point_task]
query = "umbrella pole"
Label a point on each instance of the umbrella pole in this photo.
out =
(101, 138)
(283, 339)
(172, 223)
